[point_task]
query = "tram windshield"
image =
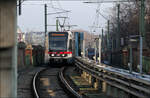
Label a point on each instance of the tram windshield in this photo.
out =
(58, 43)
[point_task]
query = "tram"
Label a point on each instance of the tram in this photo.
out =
(60, 47)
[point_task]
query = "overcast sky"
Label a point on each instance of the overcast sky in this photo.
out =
(82, 15)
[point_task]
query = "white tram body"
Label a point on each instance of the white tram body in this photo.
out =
(60, 47)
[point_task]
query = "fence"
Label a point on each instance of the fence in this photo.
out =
(21, 54)
(33, 55)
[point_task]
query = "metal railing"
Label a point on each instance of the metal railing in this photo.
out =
(134, 83)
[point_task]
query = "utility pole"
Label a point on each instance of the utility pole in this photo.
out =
(102, 40)
(19, 7)
(100, 49)
(118, 29)
(96, 40)
(130, 64)
(108, 43)
(83, 48)
(102, 44)
(142, 32)
(95, 49)
(118, 35)
(45, 19)
(142, 20)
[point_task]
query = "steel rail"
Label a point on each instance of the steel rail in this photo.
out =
(34, 88)
(34, 85)
(102, 75)
(61, 77)
(112, 83)
(118, 72)
(66, 84)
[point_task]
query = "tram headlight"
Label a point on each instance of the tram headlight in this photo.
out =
(52, 54)
(63, 55)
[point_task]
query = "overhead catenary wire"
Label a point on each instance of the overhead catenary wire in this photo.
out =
(104, 1)
(96, 21)
(58, 10)
(60, 7)
(90, 1)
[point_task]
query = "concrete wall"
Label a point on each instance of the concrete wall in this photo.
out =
(8, 25)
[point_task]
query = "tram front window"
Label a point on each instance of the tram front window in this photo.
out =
(58, 43)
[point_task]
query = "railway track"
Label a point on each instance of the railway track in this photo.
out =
(25, 77)
(51, 83)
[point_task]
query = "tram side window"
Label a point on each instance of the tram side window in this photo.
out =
(70, 44)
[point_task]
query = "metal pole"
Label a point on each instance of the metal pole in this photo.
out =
(95, 50)
(118, 35)
(45, 19)
(83, 48)
(99, 50)
(102, 39)
(142, 32)
(102, 45)
(130, 67)
(19, 7)
(142, 20)
(141, 52)
(108, 35)
(118, 29)
(77, 43)
(108, 43)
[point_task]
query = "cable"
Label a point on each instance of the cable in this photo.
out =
(96, 21)
(33, 4)
(103, 16)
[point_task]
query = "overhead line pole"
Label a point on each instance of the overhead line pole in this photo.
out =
(108, 42)
(100, 46)
(45, 19)
(118, 28)
(142, 33)
(102, 41)
(103, 44)
(118, 34)
(19, 7)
